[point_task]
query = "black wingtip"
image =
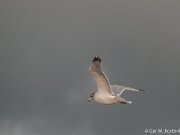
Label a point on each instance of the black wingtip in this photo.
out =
(141, 90)
(96, 58)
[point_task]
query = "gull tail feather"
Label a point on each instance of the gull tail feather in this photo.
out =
(129, 102)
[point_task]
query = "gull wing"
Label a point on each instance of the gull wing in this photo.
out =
(118, 90)
(100, 77)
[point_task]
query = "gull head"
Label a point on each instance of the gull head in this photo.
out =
(91, 96)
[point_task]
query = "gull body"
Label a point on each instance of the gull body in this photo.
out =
(103, 98)
(107, 94)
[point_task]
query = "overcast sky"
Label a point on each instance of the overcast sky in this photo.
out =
(46, 47)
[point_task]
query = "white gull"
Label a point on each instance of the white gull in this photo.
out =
(107, 94)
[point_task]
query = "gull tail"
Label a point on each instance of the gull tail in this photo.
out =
(129, 102)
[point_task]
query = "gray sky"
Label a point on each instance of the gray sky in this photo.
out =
(45, 51)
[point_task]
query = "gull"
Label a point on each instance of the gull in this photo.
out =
(106, 93)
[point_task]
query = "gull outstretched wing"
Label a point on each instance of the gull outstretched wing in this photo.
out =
(118, 90)
(100, 77)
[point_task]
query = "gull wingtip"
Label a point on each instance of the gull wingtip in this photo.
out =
(96, 58)
(143, 91)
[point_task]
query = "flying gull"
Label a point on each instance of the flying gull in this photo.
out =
(107, 94)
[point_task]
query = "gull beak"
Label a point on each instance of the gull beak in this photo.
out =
(89, 99)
